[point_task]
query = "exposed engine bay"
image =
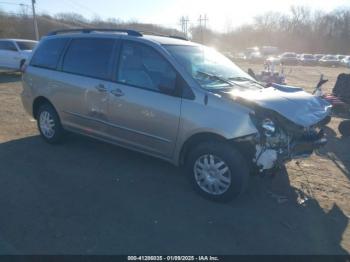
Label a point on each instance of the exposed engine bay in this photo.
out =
(280, 140)
(275, 148)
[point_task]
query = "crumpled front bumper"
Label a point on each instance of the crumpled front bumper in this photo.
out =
(304, 146)
(267, 159)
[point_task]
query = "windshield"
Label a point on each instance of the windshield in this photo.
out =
(24, 45)
(208, 67)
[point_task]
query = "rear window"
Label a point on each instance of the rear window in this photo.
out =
(26, 45)
(89, 57)
(48, 53)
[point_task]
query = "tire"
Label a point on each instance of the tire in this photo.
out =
(49, 124)
(213, 182)
(344, 128)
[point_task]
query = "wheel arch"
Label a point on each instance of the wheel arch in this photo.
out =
(244, 144)
(40, 100)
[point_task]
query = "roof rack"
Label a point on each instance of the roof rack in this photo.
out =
(89, 30)
(178, 37)
(171, 36)
(127, 31)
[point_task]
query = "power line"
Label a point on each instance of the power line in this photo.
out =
(57, 22)
(83, 6)
(11, 3)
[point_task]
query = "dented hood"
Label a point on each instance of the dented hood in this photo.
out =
(293, 103)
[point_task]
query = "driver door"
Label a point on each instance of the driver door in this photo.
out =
(144, 111)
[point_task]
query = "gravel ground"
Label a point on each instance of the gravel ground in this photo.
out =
(88, 197)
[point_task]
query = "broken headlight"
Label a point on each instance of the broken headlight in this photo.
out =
(268, 126)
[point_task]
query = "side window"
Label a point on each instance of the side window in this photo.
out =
(142, 66)
(48, 53)
(89, 57)
(7, 46)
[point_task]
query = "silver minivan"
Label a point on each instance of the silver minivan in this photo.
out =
(172, 99)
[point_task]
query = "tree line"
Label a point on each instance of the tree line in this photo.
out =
(301, 30)
(20, 25)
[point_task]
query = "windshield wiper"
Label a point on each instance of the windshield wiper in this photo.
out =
(242, 79)
(216, 77)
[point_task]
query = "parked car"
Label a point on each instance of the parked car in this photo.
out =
(289, 58)
(172, 99)
(255, 57)
(307, 59)
(329, 60)
(346, 61)
(319, 56)
(340, 57)
(13, 52)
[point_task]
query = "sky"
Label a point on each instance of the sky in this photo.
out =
(222, 14)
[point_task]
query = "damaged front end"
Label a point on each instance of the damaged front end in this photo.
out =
(289, 123)
(280, 140)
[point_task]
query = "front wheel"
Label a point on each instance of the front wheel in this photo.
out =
(49, 124)
(217, 171)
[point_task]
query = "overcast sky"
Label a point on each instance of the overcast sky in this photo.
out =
(221, 13)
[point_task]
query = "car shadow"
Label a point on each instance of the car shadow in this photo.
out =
(88, 197)
(337, 150)
(9, 77)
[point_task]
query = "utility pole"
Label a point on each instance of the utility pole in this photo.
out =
(205, 19)
(202, 24)
(200, 27)
(184, 25)
(35, 23)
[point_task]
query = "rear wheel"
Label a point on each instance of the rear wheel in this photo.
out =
(217, 171)
(49, 124)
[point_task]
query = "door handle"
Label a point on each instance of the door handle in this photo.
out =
(101, 88)
(117, 92)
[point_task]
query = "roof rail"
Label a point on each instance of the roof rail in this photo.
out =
(171, 36)
(178, 37)
(89, 30)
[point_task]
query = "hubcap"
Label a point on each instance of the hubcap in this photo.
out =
(47, 124)
(212, 174)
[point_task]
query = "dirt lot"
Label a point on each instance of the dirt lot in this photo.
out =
(87, 197)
